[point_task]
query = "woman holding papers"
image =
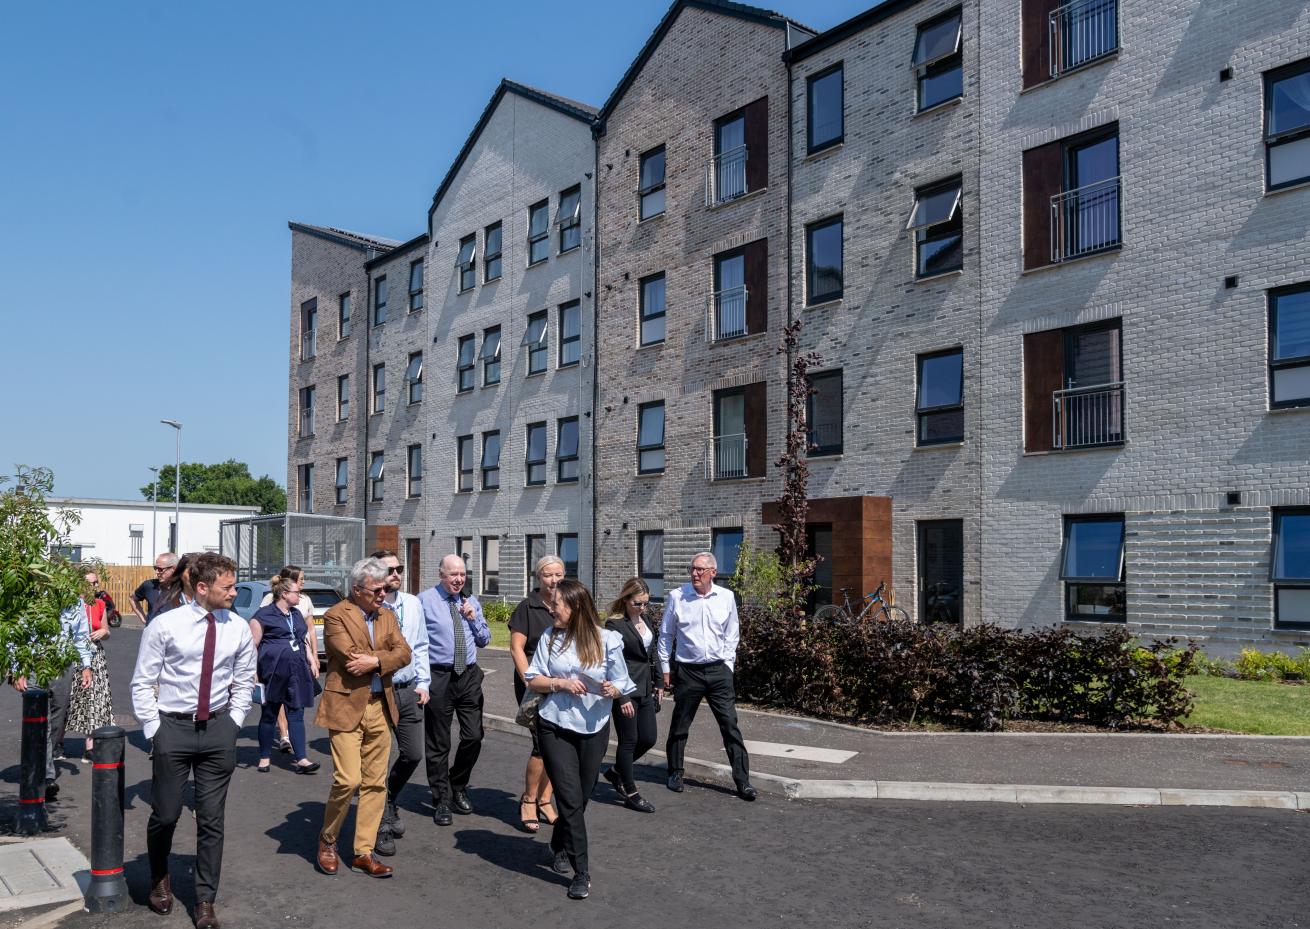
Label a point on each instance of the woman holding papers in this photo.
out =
(580, 670)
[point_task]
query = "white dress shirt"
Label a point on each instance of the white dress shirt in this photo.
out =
(409, 613)
(172, 654)
(705, 626)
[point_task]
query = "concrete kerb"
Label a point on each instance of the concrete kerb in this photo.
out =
(1027, 794)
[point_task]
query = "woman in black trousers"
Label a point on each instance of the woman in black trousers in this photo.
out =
(634, 722)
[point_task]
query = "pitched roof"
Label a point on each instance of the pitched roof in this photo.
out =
(857, 23)
(582, 112)
(346, 237)
(401, 249)
(752, 14)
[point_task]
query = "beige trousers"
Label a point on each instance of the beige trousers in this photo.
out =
(359, 760)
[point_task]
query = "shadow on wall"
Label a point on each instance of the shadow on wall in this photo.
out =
(1279, 438)
(1272, 221)
(1063, 479)
(1036, 110)
(921, 474)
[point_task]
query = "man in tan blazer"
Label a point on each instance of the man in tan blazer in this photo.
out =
(364, 647)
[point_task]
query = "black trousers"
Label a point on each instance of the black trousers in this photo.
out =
(409, 741)
(452, 695)
(207, 751)
(637, 733)
(59, 694)
(714, 683)
(572, 761)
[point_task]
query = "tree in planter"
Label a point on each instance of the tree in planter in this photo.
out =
(794, 504)
(35, 585)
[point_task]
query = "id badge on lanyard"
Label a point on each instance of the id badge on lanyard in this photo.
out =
(291, 628)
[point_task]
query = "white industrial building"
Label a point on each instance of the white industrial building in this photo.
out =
(129, 532)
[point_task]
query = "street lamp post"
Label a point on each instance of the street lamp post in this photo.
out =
(177, 483)
(154, 521)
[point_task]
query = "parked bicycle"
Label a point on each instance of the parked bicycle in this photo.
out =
(877, 606)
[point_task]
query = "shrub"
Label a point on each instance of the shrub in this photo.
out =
(1255, 665)
(496, 611)
(761, 580)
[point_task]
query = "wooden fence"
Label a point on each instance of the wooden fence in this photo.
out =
(123, 579)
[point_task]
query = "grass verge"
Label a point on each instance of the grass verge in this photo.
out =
(1252, 707)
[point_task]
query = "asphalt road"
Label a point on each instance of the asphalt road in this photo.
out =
(708, 859)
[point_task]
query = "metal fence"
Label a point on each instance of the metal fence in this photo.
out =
(325, 547)
(726, 458)
(725, 314)
(1086, 416)
(725, 176)
(1085, 220)
(1081, 32)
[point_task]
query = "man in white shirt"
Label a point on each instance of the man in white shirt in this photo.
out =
(412, 685)
(699, 631)
(202, 658)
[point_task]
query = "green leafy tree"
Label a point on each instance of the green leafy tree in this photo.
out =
(35, 584)
(228, 483)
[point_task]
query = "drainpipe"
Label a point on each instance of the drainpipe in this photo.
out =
(595, 332)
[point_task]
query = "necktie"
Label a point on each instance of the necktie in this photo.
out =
(206, 669)
(461, 649)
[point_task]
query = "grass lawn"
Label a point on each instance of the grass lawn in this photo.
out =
(1255, 707)
(499, 634)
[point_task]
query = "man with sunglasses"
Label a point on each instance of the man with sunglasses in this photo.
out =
(411, 684)
(148, 591)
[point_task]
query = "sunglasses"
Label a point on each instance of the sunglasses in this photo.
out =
(398, 569)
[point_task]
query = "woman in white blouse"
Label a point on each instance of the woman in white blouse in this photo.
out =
(580, 669)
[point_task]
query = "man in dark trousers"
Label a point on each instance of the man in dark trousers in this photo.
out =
(148, 591)
(201, 657)
(699, 631)
(456, 630)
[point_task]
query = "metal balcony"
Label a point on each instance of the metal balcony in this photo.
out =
(306, 422)
(1085, 220)
(725, 314)
(1082, 32)
(725, 458)
(725, 176)
(1088, 416)
(308, 344)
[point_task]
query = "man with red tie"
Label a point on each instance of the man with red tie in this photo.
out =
(202, 658)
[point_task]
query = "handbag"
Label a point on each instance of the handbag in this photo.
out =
(527, 714)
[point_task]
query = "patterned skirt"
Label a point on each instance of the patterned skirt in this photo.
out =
(94, 707)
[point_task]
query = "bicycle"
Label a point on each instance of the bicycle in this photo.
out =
(886, 608)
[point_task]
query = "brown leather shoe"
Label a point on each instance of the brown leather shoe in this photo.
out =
(370, 865)
(327, 861)
(161, 896)
(204, 917)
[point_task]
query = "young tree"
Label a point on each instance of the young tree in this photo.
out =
(35, 585)
(794, 504)
(228, 482)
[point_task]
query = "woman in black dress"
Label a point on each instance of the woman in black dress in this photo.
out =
(634, 722)
(288, 665)
(533, 616)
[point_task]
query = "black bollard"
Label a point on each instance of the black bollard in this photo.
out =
(31, 783)
(108, 890)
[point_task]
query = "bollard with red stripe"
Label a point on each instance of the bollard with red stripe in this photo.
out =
(31, 784)
(108, 890)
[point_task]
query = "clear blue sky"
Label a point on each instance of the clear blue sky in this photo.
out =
(151, 156)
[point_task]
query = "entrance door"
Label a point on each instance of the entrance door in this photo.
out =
(818, 538)
(941, 570)
(411, 566)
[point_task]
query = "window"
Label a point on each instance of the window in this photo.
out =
(939, 402)
(823, 413)
(416, 285)
(1071, 194)
(650, 562)
(343, 316)
(308, 329)
(536, 458)
(1287, 125)
(1092, 568)
(464, 548)
(725, 546)
(538, 232)
(823, 261)
(380, 301)
(740, 442)
(570, 219)
(652, 310)
(376, 472)
(414, 471)
(307, 488)
(491, 356)
(739, 303)
(534, 339)
(135, 538)
(566, 450)
(1060, 36)
(414, 377)
(1073, 387)
(491, 239)
(938, 61)
(490, 460)
(306, 411)
(490, 564)
(379, 388)
(650, 189)
(465, 262)
(1289, 347)
(729, 175)
(464, 364)
(1291, 569)
(940, 553)
(343, 476)
(464, 458)
(825, 106)
(650, 438)
(567, 549)
(938, 229)
(343, 398)
(570, 333)
(534, 546)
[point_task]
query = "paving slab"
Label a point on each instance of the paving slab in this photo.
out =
(39, 872)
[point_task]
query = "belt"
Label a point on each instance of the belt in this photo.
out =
(706, 664)
(191, 717)
(449, 668)
(401, 685)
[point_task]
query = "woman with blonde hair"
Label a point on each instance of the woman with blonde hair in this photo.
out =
(288, 665)
(579, 668)
(634, 722)
(534, 615)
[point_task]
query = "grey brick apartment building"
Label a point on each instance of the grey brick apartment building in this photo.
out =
(1054, 259)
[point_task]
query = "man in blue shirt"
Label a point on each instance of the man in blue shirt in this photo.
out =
(456, 630)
